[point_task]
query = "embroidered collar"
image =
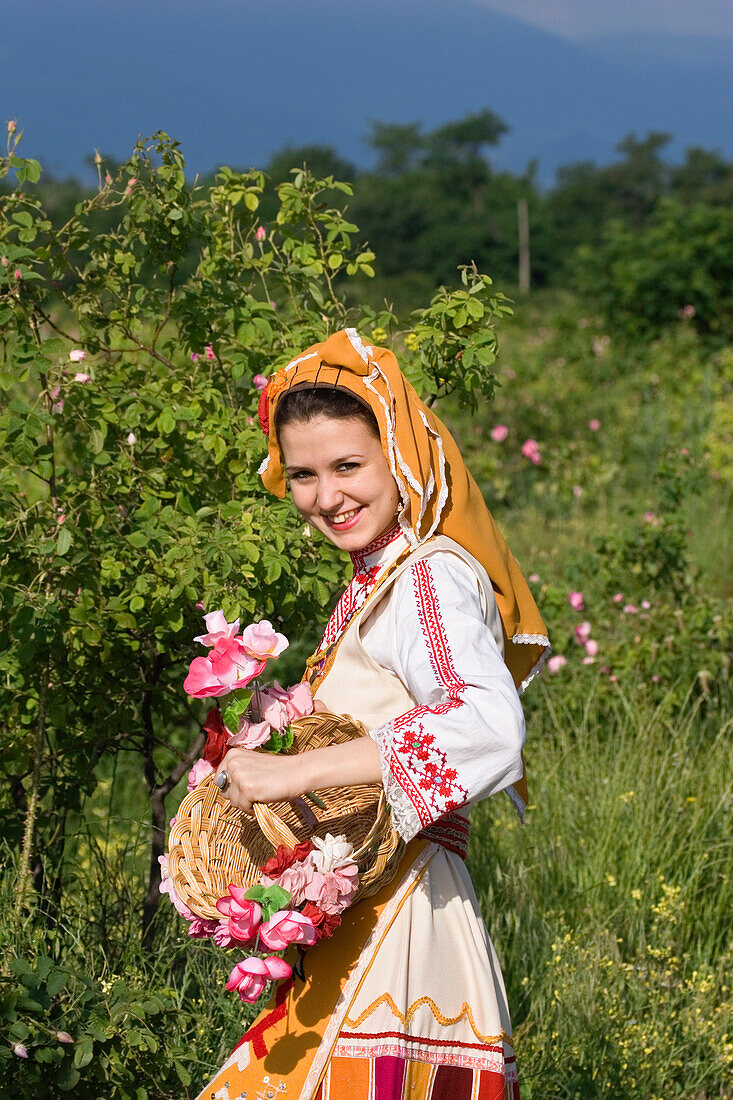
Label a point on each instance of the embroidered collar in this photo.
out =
(383, 550)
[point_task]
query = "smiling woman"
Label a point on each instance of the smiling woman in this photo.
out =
(426, 647)
(338, 475)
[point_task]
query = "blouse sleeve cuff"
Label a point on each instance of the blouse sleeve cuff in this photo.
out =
(404, 815)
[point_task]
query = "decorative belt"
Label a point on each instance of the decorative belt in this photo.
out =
(451, 832)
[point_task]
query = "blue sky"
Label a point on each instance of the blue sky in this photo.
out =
(236, 80)
(582, 19)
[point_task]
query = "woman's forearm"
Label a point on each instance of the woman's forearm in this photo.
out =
(340, 765)
(271, 777)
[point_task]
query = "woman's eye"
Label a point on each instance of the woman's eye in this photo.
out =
(349, 466)
(301, 475)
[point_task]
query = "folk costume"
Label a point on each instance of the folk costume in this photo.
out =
(428, 647)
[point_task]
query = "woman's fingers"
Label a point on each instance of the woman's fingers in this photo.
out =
(259, 777)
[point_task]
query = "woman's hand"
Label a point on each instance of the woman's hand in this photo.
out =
(260, 777)
(271, 777)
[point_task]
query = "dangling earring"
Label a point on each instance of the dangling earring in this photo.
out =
(307, 531)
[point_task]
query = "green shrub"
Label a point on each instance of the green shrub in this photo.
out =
(678, 265)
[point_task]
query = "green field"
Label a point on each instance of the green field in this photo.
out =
(610, 908)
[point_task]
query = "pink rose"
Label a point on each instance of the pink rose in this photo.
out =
(222, 935)
(499, 433)
(582, 633)
(533, 578)
(243, 916)
(295, 879)
(531, 450)
(556, 663)
(261, 233)
(250, 735)
(645, 604)
(198, 772)
(273, 708)
(618, 598)
(250, 976)
(333, 890)
(577, 491)
(20, 1050)
(209, 352)
(594, 425)
(285, 927)
(80, 376)
(199, 928)
(630, 609)
(217, 627)
(299, 702)
(259, 382)
(576, 601)
(76, 355)
(167, 887)
(591, 648)
(227, 667)
(262, 641)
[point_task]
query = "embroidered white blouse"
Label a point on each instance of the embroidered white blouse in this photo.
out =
(463, 739)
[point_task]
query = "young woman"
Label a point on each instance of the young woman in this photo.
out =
(427, 647)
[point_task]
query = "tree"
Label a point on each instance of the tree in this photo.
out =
(398, 146)
(679, 266)
(130, 492)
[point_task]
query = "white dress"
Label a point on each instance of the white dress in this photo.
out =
(422, 1011)
(427, 990)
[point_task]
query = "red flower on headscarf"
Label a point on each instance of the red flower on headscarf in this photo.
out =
(218, 735)
(263, 410)
(325, 923)
(276, 383)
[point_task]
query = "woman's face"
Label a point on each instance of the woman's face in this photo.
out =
(339, 479)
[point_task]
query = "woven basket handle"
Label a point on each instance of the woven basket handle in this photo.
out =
(276, 831)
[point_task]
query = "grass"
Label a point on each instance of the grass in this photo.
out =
(611, 908)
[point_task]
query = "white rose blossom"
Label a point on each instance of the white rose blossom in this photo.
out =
(332, 853)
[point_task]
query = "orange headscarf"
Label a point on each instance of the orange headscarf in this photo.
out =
(438, 494)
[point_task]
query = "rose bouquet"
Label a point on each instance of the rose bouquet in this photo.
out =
(303, 890)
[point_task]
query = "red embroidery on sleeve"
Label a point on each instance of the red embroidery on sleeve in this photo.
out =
(418, 764)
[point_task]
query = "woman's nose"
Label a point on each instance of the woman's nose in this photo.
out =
(329, 495)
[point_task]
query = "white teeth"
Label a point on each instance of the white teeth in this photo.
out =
(343, 516)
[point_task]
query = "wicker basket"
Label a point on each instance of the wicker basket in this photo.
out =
(213, 844)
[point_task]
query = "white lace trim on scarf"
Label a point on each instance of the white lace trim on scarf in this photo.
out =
(396, 459)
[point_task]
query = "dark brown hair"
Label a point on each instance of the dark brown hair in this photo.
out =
(305, 403)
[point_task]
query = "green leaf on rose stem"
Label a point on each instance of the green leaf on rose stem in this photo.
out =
(256, 893)
(63, 541)
(274, 744)
(278, 897)
(235, 709)
(288, 736)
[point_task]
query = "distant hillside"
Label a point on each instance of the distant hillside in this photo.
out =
(234, 80)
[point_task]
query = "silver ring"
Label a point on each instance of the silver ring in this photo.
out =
(222, 781)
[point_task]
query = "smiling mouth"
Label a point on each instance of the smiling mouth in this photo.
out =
(344, 520)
